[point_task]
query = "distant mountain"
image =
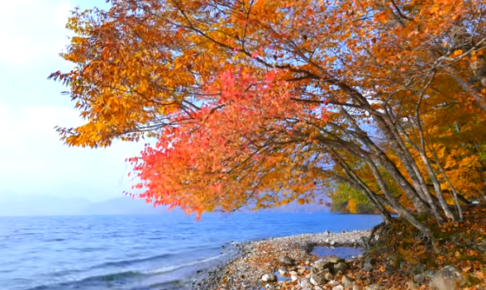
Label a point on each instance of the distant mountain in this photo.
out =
(298, 208)
(28, 205)
(124, 205)
(293, 207)
(12, 204)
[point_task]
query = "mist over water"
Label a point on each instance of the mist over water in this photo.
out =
(139, 252)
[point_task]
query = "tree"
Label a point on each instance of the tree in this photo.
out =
(265, 102)
(346, 199)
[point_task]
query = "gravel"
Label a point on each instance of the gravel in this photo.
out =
(257, 258)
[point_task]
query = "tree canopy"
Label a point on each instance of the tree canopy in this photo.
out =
(262, 103)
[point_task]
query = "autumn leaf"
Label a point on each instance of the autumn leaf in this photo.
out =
(263, 103)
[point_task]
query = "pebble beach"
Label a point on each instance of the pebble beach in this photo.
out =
(278, 263)
(323, 262)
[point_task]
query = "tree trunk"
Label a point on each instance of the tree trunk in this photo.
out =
(438, 191)
(361, 186)
(453, 189)
(412, 168)
(423, 154)
(396, 205)
(430, 171)
(470, 89)
(390, 166)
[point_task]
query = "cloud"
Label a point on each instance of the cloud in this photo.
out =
(32, 31)
(35, 161)
(32, 159)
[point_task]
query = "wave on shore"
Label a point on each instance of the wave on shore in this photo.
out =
(175, 277)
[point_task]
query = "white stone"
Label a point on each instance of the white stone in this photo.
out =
(305, 283)
(269, 278)
(269, 287)
(293, 276)
(448, 277)
(333, 283)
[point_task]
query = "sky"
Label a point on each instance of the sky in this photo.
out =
(33, 161)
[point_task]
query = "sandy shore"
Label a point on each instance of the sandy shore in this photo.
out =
(258, 258)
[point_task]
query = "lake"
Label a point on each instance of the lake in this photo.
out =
(151, 252)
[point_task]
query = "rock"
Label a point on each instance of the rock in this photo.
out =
(269, 287)
(301, 270)
(367, 267)
(286, 260)
(328, 276)
(370, 260)
(293, 276)
(347, 282)
(322, 264)
(305, 283)
(420, 268)
(283, 271)
(356, 287)
(411, 285)
(269, 278)
(317, 288)
(429, 274)
(448, 278)
(482, 246)
(335, 259)
(373, 287)
(419, 278)
(341, 266)
(338, 287)
(318, 278)
(333, 283)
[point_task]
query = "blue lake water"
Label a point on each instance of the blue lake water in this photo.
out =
(138, 252)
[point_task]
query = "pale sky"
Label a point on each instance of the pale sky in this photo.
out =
(32, 159)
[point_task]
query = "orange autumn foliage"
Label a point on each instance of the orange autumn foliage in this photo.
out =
(265, 102)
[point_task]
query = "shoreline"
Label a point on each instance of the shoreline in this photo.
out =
(254, 259)
(305, 262)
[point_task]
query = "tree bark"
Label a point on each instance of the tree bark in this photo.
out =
(361, 186)
(453, 189)
(429, 169)
(412, 168)
(383, 159)
(423, 154)
(470, 89)
(396, 205)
